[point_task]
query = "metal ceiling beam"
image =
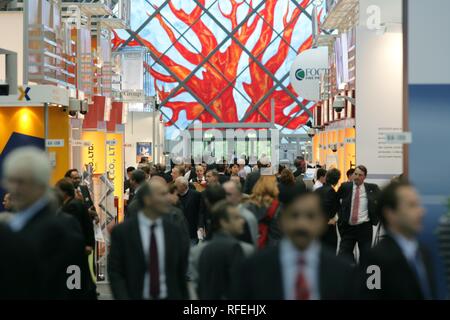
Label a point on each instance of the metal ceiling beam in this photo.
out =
(176, 78)
(278, 83)
(229, 35)
(158, 10)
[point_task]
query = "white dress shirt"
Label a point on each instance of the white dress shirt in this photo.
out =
(289, 257)
(409, 247)
(363, 212)
(317, 185)
(144, 227)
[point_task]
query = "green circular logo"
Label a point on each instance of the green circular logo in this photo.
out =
(300, 74)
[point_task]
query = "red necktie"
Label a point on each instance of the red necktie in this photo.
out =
(301, 285)
(355, 209)
(154, 265)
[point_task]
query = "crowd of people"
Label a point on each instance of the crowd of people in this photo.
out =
(215, 231)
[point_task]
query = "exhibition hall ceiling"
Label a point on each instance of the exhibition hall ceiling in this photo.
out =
(225, 61)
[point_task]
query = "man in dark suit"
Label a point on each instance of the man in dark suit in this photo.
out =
(299, 267)
(331, 206)
(35, 220)
(221, 167)
(253, 177)
(82, 192)
(405, 266)
(137, 180)
(76, 209)
(190, 204)
(357, 214)
(148, 257)
(222, 255)
(300, 166)
(126, 183)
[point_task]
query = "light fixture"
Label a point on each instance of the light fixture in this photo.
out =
(340, 102)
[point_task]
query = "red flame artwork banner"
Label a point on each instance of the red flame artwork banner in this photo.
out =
(224, 60)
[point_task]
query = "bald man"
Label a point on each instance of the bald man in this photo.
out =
(148, 257)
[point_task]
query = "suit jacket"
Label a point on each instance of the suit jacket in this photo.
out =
(190, 204)
(59, 244)
(86, 196)
(218, 265)
(345, 195)
(260, 277)
(19, 272)
(223, 178)
(176, 216)
(133, 206)
(398, 280)
(76, 209)
(127, 263)
(330, 200)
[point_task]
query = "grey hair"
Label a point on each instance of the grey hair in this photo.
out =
(31, 160)
(182, 180)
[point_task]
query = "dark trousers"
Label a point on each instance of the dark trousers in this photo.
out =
(330, 238)
(360, 234)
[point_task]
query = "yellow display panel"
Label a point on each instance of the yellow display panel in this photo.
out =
(95, 154)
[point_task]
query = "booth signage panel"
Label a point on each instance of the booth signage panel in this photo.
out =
(94, 154)
(115, 164)
(54, 143)
(306, 71)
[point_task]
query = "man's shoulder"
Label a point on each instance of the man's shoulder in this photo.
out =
(125, 226)
(385, 251)
(75, 203)
(262, 257)
(371, 186)
(346, 184)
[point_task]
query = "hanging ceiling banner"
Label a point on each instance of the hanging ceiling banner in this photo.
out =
(307, 70)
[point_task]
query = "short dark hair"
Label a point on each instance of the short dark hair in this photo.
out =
(220, 167)
(350, 172)
(68, 173)
(388, 198)
(138, 176)
(220, 211)
(333, 176)
(214, 194)
(321, 173)
(131, 169)
(363, 169)
(66, 186)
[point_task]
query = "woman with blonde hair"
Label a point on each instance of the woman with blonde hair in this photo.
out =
(264, 204)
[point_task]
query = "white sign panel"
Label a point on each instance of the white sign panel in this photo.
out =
(80, 143)
(399, 138)
(307, 70)
(111, 142)
(54, 143)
